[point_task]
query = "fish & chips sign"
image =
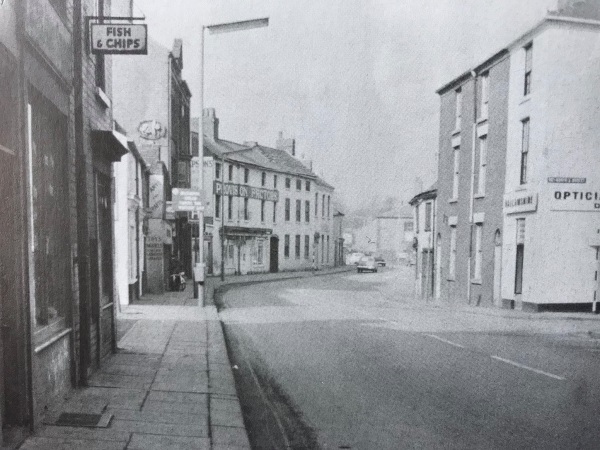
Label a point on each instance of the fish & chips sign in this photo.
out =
(119, 39)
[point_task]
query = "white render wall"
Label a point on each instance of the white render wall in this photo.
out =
(564, 111)
(246, 258)
(121, 221)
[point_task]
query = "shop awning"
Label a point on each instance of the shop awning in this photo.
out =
(110, 144)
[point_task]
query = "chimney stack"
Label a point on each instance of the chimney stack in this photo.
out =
(287, 145)
(210, 124)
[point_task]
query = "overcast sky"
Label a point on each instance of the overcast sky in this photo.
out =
(352, 80)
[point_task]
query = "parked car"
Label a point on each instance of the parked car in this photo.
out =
(354, 258)
(380, 261)
(366, 263)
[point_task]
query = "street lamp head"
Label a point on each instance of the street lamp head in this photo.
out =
(238, 26)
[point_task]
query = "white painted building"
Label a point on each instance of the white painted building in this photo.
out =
(551, 231)
(274, 212)
(427, 281)
(130, 224)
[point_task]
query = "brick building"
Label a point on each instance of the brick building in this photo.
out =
(57, 145)
(518, 190)
(273, 211)
(470, 189)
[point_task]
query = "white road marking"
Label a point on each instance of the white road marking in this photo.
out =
(445, 340)
(523, 366)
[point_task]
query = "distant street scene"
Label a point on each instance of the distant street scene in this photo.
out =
(266, 224)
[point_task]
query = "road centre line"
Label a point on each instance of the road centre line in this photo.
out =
(523, 366)
(445, 340)
(504, 360)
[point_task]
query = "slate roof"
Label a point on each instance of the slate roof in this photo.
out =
(261, 156)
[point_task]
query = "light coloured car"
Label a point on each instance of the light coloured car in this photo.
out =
(367, 263)
(354, 258)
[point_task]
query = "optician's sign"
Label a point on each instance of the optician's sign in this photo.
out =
(119, 39)
(575, 200)
(241, 190)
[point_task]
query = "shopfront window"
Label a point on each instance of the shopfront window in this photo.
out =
(48, 136)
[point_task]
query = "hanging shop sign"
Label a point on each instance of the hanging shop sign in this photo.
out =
(119, 38)
(152, 130)
(242, 190)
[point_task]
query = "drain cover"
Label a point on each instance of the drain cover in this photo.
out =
(84, 420)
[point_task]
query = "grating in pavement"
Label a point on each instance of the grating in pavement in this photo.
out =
(84, 420)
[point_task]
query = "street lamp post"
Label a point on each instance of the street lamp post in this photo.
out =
(216, 29)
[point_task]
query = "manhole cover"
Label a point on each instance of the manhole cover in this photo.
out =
(84, 420)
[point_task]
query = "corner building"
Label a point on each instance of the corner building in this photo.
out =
(518, 188)
(266, 211)
(552, 201)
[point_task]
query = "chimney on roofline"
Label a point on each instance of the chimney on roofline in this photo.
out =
(210, 124)
(287, 145)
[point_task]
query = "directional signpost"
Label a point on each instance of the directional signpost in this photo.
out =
(188, 200)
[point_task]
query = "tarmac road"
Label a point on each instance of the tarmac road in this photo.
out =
(353, 361)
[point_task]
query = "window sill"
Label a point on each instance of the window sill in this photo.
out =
(479, 196)
(482, 119)
(104, 99)
(456, 131)
(476, 281)
(49, 334)
(525, 99)
(521, 187)
(450, 279)
(453, 200)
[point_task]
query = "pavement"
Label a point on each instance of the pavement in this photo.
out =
(169, 386)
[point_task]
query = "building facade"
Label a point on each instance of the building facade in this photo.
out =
(552, 194)
(267, 212)
(57, 142)
(427, 261)
(152, 102)
(471, 181)
(517, 192)
(132, 180)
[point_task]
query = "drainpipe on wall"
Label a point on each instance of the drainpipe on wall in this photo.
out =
(471, 197)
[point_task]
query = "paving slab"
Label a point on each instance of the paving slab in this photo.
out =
(160, 417)
(177, 397)
(166, 429)
(156, 442)
(229, 437)
(181, 408)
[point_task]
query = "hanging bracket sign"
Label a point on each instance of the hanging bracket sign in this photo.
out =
(119, 38)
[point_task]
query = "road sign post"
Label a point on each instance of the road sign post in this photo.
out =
(191, 201)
